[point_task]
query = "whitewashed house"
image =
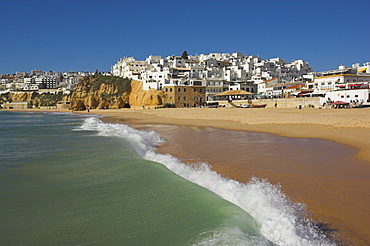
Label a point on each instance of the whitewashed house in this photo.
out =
(342, 78)
(349, 96)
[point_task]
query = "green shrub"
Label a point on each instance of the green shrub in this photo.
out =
(122, 84)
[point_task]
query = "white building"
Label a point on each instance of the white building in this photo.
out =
(349, 96)
(340, 79)
(128, 67)
(154, 76)
(217, 71)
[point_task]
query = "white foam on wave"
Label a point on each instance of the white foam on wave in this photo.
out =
(279, 220)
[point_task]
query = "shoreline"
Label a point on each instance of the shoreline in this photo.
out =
(338, 125)
(336, 203)
(306, 123)
(348, 213)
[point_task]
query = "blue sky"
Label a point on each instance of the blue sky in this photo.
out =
(87, 35)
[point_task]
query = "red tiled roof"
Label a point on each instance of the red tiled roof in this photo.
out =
(296, 86)
(269, 80)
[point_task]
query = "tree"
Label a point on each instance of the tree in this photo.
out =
(184, 55)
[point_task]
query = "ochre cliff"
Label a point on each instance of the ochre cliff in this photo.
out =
(96, 92)
(113, 92)
(140, 98)
(35, 99)
(101, 92)
(22, 97)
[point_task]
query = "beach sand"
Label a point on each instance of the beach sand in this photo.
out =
(336, 195)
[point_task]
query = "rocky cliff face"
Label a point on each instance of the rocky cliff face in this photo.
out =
(101, 92)
(97, 93)
(113, 92)
(22, 97)
(140, 98)
(35, 99)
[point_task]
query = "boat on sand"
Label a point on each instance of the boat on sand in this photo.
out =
(259, 105)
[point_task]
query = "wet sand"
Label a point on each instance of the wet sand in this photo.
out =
(323, 160)
(322, 174)
(330, 177)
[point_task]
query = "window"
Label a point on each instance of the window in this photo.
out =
(347, 95)
(195, 98)
(166, 89)
(170, 89)
(170, 98)
(195, 90)
(200, 90)
(356, 95)
(178, 89)
(179, 98)
(184, 89)
(342, 96)
(184, 98)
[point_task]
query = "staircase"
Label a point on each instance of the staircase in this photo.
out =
(233, 104)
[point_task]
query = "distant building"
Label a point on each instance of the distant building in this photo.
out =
(16, 105)
(63, 105)
(216, 71)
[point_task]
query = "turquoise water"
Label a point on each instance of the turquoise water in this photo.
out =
(74, 180)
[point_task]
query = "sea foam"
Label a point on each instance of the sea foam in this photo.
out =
(280, 221)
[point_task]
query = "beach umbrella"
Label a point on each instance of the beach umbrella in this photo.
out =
(340, 103)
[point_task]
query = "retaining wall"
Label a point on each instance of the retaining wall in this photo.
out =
(305, 102)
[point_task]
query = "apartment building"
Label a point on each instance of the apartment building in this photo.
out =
(128, 67)
(356, 77)
(185, 96)
(39, 80)
(214, 71)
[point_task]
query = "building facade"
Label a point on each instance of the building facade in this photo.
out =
(185, 96)
(342, 78)
(216, 71)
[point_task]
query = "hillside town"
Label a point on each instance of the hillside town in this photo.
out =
(199, 80)
(41, 81)
(248, 76)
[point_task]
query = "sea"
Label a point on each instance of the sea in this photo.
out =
(70, 179)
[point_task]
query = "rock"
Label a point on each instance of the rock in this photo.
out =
(113, 92)
(149, 99)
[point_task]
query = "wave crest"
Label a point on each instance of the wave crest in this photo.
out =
(279, 220)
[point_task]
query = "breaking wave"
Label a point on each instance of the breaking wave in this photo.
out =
(280, 221)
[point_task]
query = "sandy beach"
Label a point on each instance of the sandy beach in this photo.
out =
(351, 127)
(338, 201)
(337, 196)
